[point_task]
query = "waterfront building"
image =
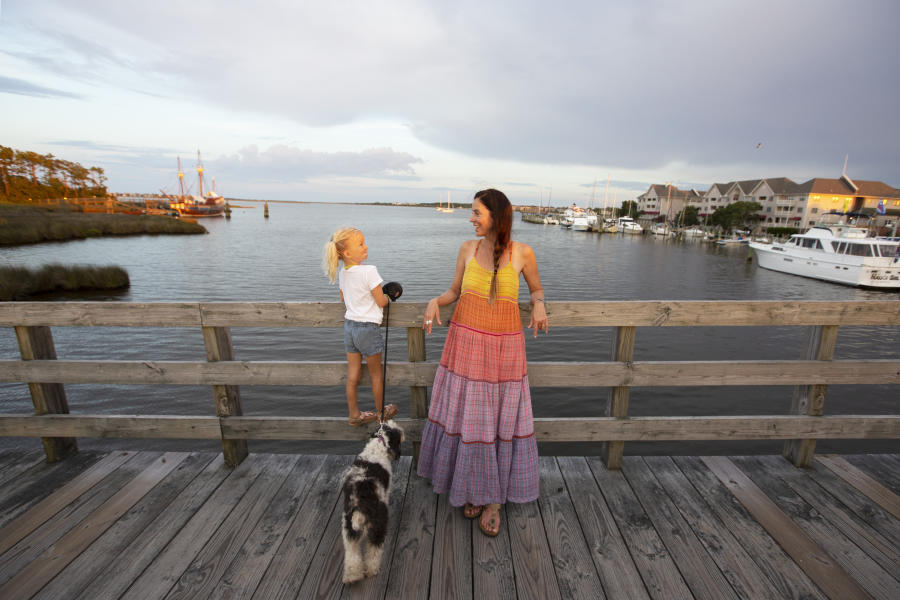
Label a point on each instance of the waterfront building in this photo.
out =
(666, 201)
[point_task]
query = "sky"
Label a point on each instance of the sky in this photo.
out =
(407, 101)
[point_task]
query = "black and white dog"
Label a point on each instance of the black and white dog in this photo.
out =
(367, 491)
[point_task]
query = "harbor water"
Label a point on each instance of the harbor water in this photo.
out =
(250, 258)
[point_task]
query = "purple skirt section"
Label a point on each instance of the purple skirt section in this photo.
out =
(478, 443)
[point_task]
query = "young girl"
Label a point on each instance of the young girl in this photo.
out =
(362, 295)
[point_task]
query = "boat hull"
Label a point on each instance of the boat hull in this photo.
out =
(872, 272)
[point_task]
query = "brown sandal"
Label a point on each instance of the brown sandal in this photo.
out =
(470, 511)
(363, 418)
(389, 411)
(486, 529)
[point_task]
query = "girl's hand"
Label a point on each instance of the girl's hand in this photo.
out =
(432, 313)
(539, 318)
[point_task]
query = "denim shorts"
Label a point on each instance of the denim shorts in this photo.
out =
(362, 338)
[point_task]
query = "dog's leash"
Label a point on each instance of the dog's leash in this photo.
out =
(392, 290)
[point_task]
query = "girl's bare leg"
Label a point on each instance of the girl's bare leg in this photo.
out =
(354, 371)
(377, 376)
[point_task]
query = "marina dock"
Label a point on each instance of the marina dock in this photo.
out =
(183, 525)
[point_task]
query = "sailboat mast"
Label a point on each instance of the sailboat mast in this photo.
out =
(606, 195)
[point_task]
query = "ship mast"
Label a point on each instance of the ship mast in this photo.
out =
(200, 172)
(180, 180)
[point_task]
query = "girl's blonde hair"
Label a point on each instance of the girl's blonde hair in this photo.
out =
(332, 253)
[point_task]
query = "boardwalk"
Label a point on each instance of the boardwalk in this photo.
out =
(182, 525)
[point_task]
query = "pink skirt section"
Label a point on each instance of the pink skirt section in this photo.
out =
(478, 443)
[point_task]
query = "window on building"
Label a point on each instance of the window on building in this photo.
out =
(768, 209)
(813, 210)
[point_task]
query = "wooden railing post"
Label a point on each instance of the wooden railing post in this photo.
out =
(809, 400)
(36, 343)
(418, 397)
(617, 402)
(227, 397)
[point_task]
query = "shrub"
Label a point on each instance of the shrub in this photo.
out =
(18, 283)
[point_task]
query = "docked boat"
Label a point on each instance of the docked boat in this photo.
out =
(660, 229)
(610, 226)
(692, 232)
(629, 225)
(836, 249)
(733, 241)
(209, 204)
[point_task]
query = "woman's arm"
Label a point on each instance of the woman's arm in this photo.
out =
(433, 310)
(530, 270)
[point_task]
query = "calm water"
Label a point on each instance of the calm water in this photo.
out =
(251, 258)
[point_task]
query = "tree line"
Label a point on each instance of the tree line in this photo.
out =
(30, 175)
(737, 214)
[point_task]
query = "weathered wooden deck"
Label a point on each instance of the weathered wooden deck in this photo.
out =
(183, 525)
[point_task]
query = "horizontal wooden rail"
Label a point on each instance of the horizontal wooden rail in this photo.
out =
(563, 314)
(540, 374)
(587, 429)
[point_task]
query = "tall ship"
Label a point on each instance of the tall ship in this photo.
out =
(209, 204)
(837, 249)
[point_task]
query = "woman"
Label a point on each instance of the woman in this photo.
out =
(478, 442)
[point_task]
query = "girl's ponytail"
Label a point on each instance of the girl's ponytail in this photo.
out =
(331, 253)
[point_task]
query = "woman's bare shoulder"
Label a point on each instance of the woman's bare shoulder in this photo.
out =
(522, 249)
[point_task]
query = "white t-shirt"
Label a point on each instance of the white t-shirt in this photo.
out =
(357, 284)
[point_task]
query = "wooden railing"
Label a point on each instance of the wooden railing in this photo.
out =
(803, 424)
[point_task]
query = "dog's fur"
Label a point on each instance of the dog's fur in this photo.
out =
(367, 491)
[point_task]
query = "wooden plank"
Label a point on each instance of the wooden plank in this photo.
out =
(376, 587)
(781, 571)
(112, 544)
(107, 314)
(733, 560)
(118, 574)
(210, 564)
(418, 395)
(451, 565)
(38, 482)
(588, 429)
(832, 509)
(166, 568)
(246, 570)
(860, 504)
(36, 343)
(291, 563)
(885, 498)
(410, 314)
(409, 576)
(493, 571)
(575, 572)
(71, 516)
(419, 374)
(653, 560)
(864, 571)
(52, 561)
(810, 399)
(14, 463)
(617, 401)
(699, 570)
(618, 573)
(884, 468)
(112, 426)
(532, 562)
(326, 569)
(42, 512)
(227, 397)
(814, 561)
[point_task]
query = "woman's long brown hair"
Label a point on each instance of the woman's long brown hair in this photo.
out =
(501, 224)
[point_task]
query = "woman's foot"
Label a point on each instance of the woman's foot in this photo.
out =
(489, 523)
(363, 418)
(470, 511)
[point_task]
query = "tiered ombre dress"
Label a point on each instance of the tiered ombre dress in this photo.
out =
(478, 443)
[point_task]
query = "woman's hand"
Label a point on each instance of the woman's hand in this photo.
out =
(432, 313)
(539, 317)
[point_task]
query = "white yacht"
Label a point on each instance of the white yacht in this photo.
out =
(628, 225)
(836, 249)
(692, 232)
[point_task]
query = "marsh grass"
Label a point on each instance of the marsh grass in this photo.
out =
(21, 224)
(19, 283)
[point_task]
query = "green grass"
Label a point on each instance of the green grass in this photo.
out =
(22, 224)
(19, 283)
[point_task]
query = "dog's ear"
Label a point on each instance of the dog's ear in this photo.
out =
(395, 437)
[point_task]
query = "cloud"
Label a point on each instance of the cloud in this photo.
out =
(11, 85)
(638, 85)
(285, 164)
